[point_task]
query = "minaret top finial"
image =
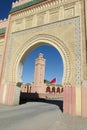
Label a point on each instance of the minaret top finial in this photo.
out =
(40, 55)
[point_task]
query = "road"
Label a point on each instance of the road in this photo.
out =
(38, 116)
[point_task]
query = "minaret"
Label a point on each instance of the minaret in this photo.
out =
(39, 71)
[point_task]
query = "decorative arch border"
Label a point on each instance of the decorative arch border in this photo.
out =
(38, 40)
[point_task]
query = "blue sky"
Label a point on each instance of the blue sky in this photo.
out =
(54, 63)
(5, 7)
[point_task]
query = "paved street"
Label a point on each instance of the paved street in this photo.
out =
(38, 116)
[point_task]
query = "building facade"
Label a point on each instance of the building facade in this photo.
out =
(59, 23)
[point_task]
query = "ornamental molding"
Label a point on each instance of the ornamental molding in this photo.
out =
(67, 75)
(45, 6)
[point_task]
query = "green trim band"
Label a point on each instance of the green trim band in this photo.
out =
(28, 4)
(2, 30)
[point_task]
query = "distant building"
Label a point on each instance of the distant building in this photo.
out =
(41, 86)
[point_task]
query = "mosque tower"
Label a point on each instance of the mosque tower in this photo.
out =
(39, 71)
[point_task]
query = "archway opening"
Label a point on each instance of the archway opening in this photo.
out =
(53, 68)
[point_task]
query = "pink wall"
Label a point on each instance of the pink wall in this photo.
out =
(69, 105)
(1, 93)
(10, 95)
(73, 101)
(65, 104)
(84, 101)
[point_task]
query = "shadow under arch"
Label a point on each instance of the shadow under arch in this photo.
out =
(34, 97)
(36, 41)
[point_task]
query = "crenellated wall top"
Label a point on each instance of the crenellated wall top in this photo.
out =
(22, 4)
(3, 23)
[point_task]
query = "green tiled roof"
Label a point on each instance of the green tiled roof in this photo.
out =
(25, 5)
(2, 30)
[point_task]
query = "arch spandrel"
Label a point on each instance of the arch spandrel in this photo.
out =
(58, 35)
(40, 40)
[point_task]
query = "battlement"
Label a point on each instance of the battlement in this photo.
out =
(3, 25)
(22, 4)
